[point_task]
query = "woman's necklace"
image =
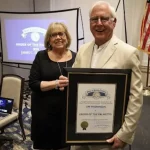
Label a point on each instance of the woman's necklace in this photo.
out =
(60, 70)
(60, 67)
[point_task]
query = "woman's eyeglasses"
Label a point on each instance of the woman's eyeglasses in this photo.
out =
(60, 34)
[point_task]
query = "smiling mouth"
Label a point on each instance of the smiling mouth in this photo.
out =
(59, 42)
(100, 30)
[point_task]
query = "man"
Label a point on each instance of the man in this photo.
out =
(107, 51)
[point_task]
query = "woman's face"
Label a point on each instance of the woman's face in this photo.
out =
(58, 38)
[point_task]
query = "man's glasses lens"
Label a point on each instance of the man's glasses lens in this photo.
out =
(102, 19)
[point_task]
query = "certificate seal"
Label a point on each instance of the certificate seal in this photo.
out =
(84, 125)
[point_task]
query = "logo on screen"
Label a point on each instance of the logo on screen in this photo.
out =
(2, 103)
(35, 33)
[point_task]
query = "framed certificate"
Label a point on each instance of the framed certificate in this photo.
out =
(96, 102)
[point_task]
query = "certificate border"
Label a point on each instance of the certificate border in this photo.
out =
(70, 72)
(113, 108)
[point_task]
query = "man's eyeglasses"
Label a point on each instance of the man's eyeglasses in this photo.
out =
(102, 19)
(60, 34)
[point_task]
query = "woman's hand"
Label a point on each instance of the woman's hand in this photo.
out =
(62, 82)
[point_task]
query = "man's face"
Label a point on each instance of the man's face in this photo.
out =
(101, 24)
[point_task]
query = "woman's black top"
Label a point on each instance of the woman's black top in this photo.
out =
(47, 108)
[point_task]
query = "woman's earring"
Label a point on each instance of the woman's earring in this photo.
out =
(49, 46)
(66, 44)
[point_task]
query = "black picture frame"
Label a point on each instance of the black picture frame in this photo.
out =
(121, 78)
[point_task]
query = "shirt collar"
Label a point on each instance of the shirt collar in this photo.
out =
(103, 46)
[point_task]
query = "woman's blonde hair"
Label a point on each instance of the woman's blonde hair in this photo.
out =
(56, 27)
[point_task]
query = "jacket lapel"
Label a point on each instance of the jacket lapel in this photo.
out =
(109, 51)
(88, 55)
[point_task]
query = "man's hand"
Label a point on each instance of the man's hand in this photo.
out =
(63, 81)
(117, 143)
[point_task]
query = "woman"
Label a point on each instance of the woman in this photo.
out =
(48, 99)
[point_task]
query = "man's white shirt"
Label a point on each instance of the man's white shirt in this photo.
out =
(98, 53)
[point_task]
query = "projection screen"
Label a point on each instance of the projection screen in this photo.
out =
(23, 34)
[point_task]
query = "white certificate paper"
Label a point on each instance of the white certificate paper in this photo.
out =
(95, 108)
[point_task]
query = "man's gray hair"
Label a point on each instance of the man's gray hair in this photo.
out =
(112, 9)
